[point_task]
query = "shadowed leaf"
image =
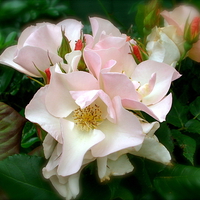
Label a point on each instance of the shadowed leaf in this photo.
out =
(21, 178)
(11, 124)
(178, 183)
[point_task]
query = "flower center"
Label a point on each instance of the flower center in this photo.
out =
(88, 118)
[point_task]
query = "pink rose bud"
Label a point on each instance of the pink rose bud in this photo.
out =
(48, 75)
(192, 31)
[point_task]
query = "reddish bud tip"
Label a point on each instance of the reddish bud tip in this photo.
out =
(78, 45)
(48, 73)
(136, 52)
(195, 27)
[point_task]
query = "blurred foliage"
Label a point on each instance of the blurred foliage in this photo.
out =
(180, 133)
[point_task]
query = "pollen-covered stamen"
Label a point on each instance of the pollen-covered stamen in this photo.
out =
(88, 118)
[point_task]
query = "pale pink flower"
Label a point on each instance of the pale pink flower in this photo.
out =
(149, 86)
(164, 45)
(38, 47)
(178, 17)
(76, 112)
(186, 19)
(107, 48)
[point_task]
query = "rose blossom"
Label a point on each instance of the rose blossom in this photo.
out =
(38, 47)
(164, 45)
(149, 86)
(182, 17)
(107, 48)
(82, 117)
(115, 164)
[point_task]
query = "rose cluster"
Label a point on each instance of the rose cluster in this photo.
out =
(97, 88)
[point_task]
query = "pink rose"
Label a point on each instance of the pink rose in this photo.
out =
(107, 48)
(187, 21)
(38, 46)
(75, 110)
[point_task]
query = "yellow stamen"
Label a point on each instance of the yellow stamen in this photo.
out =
(88, 118)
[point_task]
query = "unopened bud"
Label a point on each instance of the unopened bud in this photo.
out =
(64, 47)
(48, 75)
(78, 45)
(192, 30)
(139, 54)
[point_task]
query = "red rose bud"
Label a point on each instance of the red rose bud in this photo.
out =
(136, 53)
(192, 30)
(79, 45)
(48, 75)
(139, 54)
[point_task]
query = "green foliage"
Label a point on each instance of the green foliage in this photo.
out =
(21, 178)
(178, 182)
(29, 136)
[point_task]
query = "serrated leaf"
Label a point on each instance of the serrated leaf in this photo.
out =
(178, 114)
(178, 183)
(195, 108)
(11, 124)
(187, 143)
(193, 126)
(21, 178)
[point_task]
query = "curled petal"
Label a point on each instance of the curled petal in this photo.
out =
(36, 112)
(6, 58)
(127, 132)
(158, 111)
(153, 150)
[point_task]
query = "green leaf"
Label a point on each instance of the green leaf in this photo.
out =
(187, 143)
(139, 19)
(91, 188)
(123, 193)
(6, 74)
(193, 126)
(21, 178)
(11, 124)
(195, 108)
(178, 114)
(178, 183)
(29, 136)
(165, 137)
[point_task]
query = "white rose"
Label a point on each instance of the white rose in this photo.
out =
(164, 45)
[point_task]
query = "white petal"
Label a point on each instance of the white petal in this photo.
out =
(75, 145)
(153, 150)
(108, 167)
